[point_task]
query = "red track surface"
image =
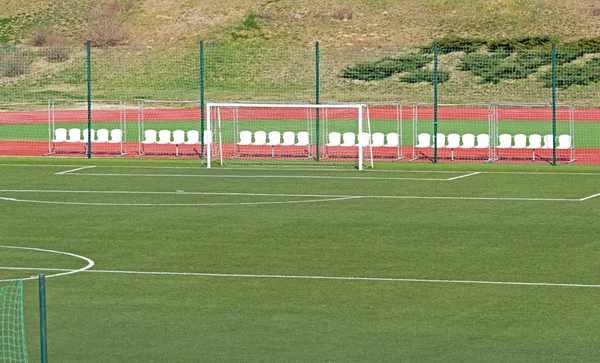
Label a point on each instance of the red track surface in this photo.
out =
(32, 148)
(444, 113)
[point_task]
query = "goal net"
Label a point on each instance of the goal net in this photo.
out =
(12, 326)
(288, 133)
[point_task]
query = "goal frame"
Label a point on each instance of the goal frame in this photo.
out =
(210, 115)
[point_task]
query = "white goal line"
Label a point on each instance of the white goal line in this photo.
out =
(311, 277)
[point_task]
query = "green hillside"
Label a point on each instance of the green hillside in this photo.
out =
(265, 51)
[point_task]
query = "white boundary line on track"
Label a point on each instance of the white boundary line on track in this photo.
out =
(90, 263)
(327, 197)
(309, 277)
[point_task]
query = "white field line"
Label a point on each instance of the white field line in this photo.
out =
(315, 168)
(590, 197)
(327, 197)
(175, 204)
(463, 176)
(309, 277)
(73, 170)
(257, 176)
(90, 262)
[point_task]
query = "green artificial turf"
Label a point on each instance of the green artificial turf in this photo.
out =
(419, 255)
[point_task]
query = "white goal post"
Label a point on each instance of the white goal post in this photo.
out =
(284, 133)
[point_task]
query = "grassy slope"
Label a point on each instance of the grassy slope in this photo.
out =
(163, 60)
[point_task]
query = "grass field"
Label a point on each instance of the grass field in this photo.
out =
(408, 262)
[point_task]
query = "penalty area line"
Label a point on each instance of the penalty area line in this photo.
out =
(589, 197)
(73, 170)
(463, 176)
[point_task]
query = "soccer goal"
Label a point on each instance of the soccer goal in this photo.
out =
(12, 323)
(286, 133)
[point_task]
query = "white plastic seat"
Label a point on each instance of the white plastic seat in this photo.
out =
(548, 142)
(192, 137)
(208, 137)
(60, 135)
(116, 136)
(245, 138)
(504, 141)
(149, 136)
(378, 139)
(483, 141)
(260, 138)
(535, 141)
(364, 139)
(468, 141)
(303, 138)
(423, 140)
(564, 142)
(520, 141)
(274, 138)
(289, 138)
(178, 137)
(335, 139)
(85, 135)
(74, 135)
(164, 137)
(348, 139)
(453, 141)
(440, 141)
(392, 139)
(102, 135)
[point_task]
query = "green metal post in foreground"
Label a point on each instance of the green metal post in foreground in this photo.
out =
(554, 103)
(202, 98)
(43, 332)
(435, 103)
(89, 98)
(317, 99)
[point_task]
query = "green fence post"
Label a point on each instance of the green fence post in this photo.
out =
(89, 98)
(554, 103)
(43, 332)
(202, 98)
(317, 99)
(435, 103)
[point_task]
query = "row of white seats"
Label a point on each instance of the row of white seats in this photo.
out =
(179, 137)
(334, 139)
(505, 141)
(76, 135)
(260, 138)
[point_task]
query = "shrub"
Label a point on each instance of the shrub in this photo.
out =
(342, 14)
(58, 53)
(385, 67)
(589, 45)
(13, 65)
(105, 28)
(571, 75)
(455, 44)
(510, 44)
(250, 22)
(425, 75)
